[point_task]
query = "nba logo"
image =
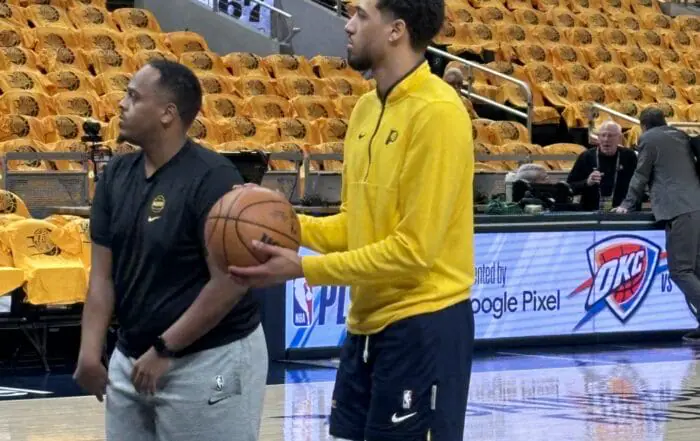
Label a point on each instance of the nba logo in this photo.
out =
(303, 312)
(407, 399)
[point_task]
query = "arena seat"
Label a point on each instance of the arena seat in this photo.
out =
(53, 277)
(72, 59)
(73, 237)
(561, 49)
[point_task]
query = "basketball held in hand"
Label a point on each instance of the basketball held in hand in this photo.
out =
(247, 214)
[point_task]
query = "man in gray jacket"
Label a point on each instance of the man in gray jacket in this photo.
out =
(667, 163)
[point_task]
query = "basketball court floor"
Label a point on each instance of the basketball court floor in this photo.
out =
(602, 393)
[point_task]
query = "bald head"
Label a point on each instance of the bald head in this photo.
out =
(609, 137)
(454, 78)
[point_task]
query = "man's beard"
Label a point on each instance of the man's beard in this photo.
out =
(359, 63)
(121, 138)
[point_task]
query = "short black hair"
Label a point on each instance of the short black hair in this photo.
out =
(423, 18)
(183, 86)
(652, 117)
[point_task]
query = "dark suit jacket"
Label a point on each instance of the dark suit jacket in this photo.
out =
(667, 165)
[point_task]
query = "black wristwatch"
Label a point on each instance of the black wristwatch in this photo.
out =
(162, 349)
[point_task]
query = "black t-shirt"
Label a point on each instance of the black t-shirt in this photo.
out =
(591, 160)
(154, 228)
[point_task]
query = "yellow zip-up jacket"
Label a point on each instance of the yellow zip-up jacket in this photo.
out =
(403, 239)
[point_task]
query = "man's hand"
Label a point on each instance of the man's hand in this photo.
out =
(594, 178)
(91, 375)
(148, 370)
(620, 210)
(283, 264)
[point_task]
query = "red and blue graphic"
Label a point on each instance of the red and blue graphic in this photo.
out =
(316, 311)
(303, 313)
(316, 314)
(623, 269)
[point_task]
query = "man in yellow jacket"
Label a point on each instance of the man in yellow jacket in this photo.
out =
(403, 239)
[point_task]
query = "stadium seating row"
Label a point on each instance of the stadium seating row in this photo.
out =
(48, 258)
(65, 65)
(62, 66)
(578, 52)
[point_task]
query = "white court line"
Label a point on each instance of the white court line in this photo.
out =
(555, 357)
(29, 391)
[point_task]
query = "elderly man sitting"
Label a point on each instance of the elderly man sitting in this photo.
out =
(602, 175)
(454, 77)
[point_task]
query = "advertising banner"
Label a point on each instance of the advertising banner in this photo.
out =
(534, 284)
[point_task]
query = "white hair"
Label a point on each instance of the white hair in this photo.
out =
(530, 172)
(453, 71)
(612, 124)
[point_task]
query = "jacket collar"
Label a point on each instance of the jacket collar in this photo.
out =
(407, 84)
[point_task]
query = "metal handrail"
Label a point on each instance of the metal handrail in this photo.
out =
(631, 119)
(483, 99)
(339, 7)
(294, 30)
(613, 112)
(683, 124)
(471, 66)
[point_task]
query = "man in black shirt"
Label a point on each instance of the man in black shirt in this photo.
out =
(191, 358)
(602, 175)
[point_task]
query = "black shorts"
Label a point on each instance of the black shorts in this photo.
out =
(409, 382)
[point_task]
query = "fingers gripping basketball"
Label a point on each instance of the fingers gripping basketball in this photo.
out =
(247, 214)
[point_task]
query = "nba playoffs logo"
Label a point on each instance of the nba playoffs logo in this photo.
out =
(622, 271)
(303, 311)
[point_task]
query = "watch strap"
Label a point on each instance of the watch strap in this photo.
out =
(162, 349)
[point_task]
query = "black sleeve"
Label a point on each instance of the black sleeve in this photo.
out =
(217, 182)
(101, 210)
(579, 174)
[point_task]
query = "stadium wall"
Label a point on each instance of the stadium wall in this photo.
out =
(321, 30)
(222, 33)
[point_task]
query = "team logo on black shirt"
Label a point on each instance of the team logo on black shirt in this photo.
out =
(158, 204)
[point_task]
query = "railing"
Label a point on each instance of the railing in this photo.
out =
(286, 15)
(339, 8)
(527, 116)
(609, 111)
(629, 119)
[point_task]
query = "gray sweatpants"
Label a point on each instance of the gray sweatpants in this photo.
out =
(683, 251)
(213, 395)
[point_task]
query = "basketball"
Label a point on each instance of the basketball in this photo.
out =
(247, 214)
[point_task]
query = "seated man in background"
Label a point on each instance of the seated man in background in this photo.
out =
(454, 78)
(602, 175)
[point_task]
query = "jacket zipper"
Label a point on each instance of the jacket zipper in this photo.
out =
(381, 114)
(371, 140)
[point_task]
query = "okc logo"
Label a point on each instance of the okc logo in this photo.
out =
(622, 271)
(303, 313)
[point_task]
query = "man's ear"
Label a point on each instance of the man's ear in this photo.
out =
(398, 29)
(169, 114)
